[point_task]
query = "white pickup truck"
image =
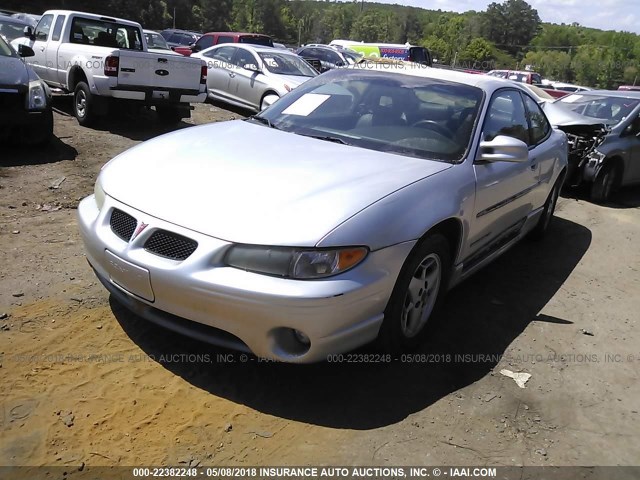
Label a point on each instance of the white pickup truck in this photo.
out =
(100, 59)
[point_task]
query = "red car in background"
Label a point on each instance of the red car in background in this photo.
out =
(214, 38)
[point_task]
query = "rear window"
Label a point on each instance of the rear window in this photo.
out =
(256, 40)
(103, 33)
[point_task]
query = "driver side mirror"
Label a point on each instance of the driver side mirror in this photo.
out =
(25, 51)
(503, 149)
(28, 32)
(195, 48)
(633, 128)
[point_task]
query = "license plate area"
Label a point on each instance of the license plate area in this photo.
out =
(129, 277)
(160, 95)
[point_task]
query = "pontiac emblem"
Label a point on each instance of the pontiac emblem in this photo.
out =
(139, 230)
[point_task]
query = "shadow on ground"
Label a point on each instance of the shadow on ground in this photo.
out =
(481, 316)
(54, 151)
(127, 120)
(627, 197)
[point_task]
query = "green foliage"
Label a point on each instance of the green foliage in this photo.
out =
(505, 35)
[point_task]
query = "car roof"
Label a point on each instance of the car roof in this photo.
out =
(609, 93)
(484, 82)
(95, 16)
(237, 33)
(14, 20)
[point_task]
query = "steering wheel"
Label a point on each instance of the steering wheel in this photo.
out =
(435, 126)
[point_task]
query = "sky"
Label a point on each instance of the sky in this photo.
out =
(603, 14)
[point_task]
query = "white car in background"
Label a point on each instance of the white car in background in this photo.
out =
(251, 76)
(157, 44)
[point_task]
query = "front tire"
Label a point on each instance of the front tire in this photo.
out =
(416, 296)
(83, 105)
(268, 100)
(605, 182)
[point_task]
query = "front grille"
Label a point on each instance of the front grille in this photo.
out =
(122, 224)
(170, 245)
(10, 102)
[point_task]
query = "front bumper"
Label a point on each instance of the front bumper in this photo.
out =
(22, 124)
(203, 298)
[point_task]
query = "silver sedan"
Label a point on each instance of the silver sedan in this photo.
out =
(252, 77)
(341, 214)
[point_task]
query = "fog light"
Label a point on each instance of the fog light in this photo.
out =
(301, 337)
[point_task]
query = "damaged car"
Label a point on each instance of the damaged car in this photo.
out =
(603, 129)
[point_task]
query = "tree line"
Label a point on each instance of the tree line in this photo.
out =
(505, 35)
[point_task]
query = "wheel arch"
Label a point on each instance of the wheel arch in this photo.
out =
(451, 229)
(76, 74)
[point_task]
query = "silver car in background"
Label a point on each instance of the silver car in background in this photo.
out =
(252, 77)
(341, 214)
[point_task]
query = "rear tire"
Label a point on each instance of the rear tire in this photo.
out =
(416, 296)
(606, 182)
(83, 105)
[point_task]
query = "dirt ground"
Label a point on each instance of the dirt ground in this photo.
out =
(84, 382)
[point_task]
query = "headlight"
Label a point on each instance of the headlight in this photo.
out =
(37, 99)
(99, 194)
(303, 264)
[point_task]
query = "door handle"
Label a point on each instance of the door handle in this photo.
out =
(231, 74)
(534, 164)
(42, 49)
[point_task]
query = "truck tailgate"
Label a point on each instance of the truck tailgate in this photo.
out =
(146, 69)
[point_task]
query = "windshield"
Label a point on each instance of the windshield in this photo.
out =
(611, 110)
(351, 56)
(104, 33)
(11, 30)
(383, 111)
(5, 49)
(155, 40)
(286, 64)
(256, 40)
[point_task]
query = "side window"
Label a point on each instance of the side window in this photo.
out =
(44, 25)
(539, 126)
(57, 29)
(244, 57)
(204, 42)
(506, 116)
(225, 39)
(224, 54)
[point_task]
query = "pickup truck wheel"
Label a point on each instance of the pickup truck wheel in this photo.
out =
(541, 228)
(605, 182)
(83, 104)
(168, 115)
(417, 294)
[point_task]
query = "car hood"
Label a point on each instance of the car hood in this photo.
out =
(562, 116)
(279, 81)
(247, 183)
(14, 73)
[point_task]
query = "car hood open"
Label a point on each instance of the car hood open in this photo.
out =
(562, 116)
(249, 183)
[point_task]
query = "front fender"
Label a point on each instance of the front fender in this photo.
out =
(409, 213)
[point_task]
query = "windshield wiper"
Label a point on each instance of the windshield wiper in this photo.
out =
(326, 138)
(264, 121)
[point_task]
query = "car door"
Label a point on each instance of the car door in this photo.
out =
(505, 191)
(219, 70)
(247, 85)
(39, 60)
(543, 154)
(58, 71)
